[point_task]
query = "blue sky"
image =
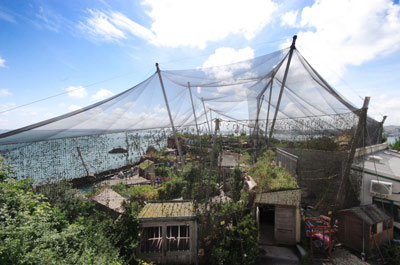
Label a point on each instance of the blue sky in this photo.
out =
(90, 50)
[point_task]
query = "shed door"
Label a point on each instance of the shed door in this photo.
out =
(285, 224)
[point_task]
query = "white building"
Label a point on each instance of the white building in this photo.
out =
(380, 182)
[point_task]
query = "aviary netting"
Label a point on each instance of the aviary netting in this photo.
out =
(275, 99)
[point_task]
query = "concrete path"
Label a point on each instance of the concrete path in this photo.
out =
(277, 255)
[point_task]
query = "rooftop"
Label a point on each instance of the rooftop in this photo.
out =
(383, 162)
(167, 210)
(371, 214)
(145, 164)
(110, 199)
(285, 197)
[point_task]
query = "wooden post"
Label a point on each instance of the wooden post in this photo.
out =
(381, 129)
(194, 114)
(83, 162)
(292, 48)
(205, 113)
(362, 120)
(170, 117)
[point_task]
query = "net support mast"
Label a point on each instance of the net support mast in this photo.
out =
(170, 118)
(292, 48)
(358, 135)
(269, 107)
(194, 114)
(205, 114)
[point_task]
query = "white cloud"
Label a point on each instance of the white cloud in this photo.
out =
(289, 18)
(227, 55)
(7, 106)
(221, 66)
(2, 62)
(102, 94)
(5, 93)
(7, 17)
(74, 107)
(386, 105)
(100, 26)
(76, 92)
(194, 23)
(184, 22)
(340, 33)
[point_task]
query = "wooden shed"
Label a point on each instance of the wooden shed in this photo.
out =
(147, 169)
(168, 232)
(364, 228)
(278, 217)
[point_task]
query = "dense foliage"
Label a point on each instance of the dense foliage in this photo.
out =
(193, 184)
(270, 177)
(395, 145)
(391, 254)
(34, 232)
(60, 226)
(229, 234)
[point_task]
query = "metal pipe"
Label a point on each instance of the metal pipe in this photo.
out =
(194, 114)
(170, 117)
(269, 107)
(292, 48)
(205, 113)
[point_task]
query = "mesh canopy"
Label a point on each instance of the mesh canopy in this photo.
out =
(243, 96)
(239, 91)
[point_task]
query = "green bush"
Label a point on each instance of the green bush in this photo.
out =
(69, 200)
(228, 235)
(270, 177)
(395, 145)
(171, 189)
(33, 232)
(391, 254)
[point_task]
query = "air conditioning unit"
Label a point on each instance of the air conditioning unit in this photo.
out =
(381, 188)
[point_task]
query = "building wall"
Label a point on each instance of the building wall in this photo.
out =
(365, 194)
(184, 257)
(351, 234)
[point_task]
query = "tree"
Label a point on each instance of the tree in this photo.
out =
(395, 145)
(33, 232)
(229, 234)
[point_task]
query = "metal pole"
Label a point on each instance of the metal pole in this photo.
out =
(211, 118)
(205, 113)
(212, 157)
(292, 48)
(194, 114)
(269, 106)
(170, 117)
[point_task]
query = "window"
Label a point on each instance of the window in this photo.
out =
(379, 227)
(151, 239)
(178, 238)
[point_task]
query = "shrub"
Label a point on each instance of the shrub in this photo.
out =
(270, 177)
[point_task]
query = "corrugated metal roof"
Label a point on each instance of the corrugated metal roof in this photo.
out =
(110, 199)
(371, 214)
(285, 197)
(160, 210)
(145, 164)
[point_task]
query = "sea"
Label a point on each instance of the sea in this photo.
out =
(52, 160)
